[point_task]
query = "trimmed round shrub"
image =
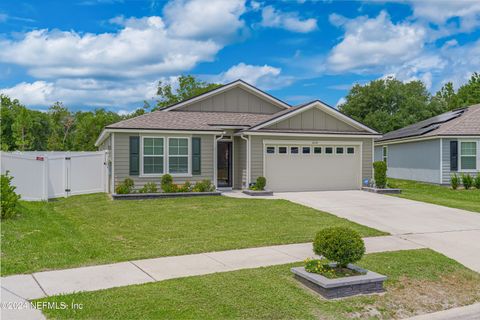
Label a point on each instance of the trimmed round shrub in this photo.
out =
(380, 174)
(261, 183)
(340, 244)
(166, 183)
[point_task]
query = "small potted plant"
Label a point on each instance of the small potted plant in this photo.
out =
(258, 188)
(334, 275)
(380, 184)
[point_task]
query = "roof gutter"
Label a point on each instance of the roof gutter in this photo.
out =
(320, 135)
(106, 132)
(415, 139)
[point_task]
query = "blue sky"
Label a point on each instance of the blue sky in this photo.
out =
(111, 53)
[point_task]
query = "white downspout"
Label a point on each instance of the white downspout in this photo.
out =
(248, 159)
(215, 182)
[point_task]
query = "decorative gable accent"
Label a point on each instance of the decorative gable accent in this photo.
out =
(237, 96)
(314, 116)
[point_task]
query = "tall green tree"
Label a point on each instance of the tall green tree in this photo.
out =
(62, 124)
(88, 127)
(388, 104)
(188, 87)
(469, 93)
(22, 129)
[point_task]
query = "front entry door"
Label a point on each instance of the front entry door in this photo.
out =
(224, 164)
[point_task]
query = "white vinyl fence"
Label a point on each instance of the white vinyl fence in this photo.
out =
(46, 175)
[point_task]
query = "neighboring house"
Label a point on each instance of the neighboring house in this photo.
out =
(236, 133)
(433, 149)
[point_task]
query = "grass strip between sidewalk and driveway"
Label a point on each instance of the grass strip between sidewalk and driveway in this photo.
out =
(419, 281)
(92, 229)
(436, 194)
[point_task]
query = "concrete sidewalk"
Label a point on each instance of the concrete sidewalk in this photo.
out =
(452, 232)
(48, 283)
(471, 312)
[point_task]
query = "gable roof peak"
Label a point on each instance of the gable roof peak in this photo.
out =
(237, 83)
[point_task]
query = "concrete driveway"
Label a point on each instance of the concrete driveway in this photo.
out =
(453, 232)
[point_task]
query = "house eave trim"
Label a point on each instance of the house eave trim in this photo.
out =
(105, 133)
(415, 139)
(326, 135)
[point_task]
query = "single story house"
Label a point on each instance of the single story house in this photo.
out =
(235, 133)
(434, 149)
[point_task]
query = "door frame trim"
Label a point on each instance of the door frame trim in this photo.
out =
(233, 160)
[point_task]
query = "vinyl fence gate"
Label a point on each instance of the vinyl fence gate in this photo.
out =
(47, 175)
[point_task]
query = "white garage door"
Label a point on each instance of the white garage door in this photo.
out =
(312, 167)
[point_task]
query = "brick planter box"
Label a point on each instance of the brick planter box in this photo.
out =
(254, 193)
(382, 191)
(367, 283)
(140, 196)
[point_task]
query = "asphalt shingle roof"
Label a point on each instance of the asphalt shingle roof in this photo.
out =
(185, 120)
(461, 122)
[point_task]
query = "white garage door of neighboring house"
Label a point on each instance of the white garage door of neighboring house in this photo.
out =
(312, 167)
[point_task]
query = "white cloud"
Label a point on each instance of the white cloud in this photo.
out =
(266, 77)
(118, 68)
(213, 19)
(88, 92)
(143, 47)
(287, 20)
(374, 43)
(439, 13)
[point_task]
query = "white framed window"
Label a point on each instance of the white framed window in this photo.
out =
(328, 150)
(317, 150)
(270, 150)
(468, 155)
(350, 150)
(305, 150)
(293, 150)
(282, 150)
(153, 155)
(178, 155)
(385, 153)
(339, 150)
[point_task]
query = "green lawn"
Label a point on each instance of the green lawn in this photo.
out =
(92, 229)
(420, 281)
(442, 195)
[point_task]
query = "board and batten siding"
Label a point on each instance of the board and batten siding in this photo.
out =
(234, 100)
(314, 119)
(417, 160)
(257, 152)
(122, 159)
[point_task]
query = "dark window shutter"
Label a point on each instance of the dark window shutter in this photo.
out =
(134, 156)
(453, 155)
(196, 156)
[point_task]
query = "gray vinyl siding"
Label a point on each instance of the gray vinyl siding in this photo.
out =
(314, 119)
(122, 158)
(419, 161)
(234, 100)
(257, 152)
(240, 163)
(446, 173)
